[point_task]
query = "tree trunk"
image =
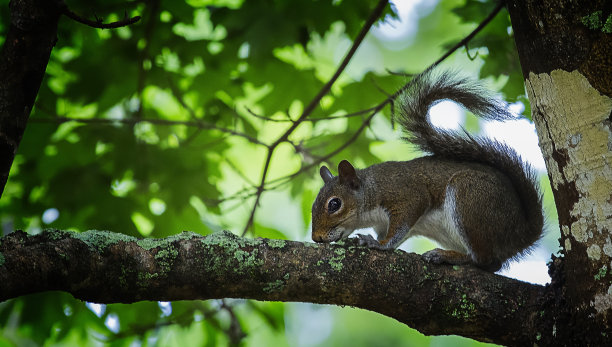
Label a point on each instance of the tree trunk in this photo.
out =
(565, 50)
(23, 61)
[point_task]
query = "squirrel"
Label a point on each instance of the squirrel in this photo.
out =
(474, 196)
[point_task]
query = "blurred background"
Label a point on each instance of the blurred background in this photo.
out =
(165, 125)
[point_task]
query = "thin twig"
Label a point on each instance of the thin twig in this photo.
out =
(380, 89)
(267, 119)
(352, 139)
(376, 13)
(133, 121)
(98, 23)
(239, 172)
(398, 73)
(346, 115)
(459, 44)
(315, 119)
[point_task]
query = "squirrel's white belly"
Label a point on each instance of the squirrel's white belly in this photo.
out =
(442, 225)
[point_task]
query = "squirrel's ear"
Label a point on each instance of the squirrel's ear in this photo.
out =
(326, 175)
(347, 174)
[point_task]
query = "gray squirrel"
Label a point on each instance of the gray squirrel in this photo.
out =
(472, 195)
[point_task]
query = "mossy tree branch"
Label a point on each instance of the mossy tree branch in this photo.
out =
(108, 267)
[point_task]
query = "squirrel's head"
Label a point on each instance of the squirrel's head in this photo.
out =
(334, 212)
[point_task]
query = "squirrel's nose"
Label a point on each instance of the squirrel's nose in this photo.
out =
(317, 238)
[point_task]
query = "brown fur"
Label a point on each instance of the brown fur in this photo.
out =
(474, 196)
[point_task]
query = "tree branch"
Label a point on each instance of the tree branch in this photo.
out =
(156, 121)
(98, 22)
(107, 267)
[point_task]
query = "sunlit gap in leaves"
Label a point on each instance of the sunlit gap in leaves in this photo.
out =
(302, 319)
(97, 309)
(165, 307)
(112, 323)
(400, 33)
(50, 215)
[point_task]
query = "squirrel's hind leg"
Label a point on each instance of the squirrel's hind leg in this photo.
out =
(487, 209)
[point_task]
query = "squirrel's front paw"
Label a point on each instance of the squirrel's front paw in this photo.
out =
(369, 241)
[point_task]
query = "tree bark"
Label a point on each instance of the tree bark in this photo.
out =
(566, 57)
(23, 60)
(108, 267)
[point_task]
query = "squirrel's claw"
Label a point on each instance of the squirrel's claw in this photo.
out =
(369, 241)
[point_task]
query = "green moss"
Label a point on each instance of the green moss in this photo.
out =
(336, 263)
(55, 235)
(276, 243)
(539, 336)
(227, 239)
(601, 273)
(100, 240)
(166, 257)
(465, 308)
(247, 259)
(146, 277)
(275, 286)
(166, 253)
(2, 260)
(607, 27)
(594, 21)
(341, 242)
(311, 244)
(396, 268)
(153, 243)
(242, 261)
(456, 267)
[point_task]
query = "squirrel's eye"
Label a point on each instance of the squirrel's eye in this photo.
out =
(334, 205)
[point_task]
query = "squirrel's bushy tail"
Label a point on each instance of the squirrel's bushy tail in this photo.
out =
(430, 87)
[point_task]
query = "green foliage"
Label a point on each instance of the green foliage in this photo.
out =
(199, 72)
(496, 45)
